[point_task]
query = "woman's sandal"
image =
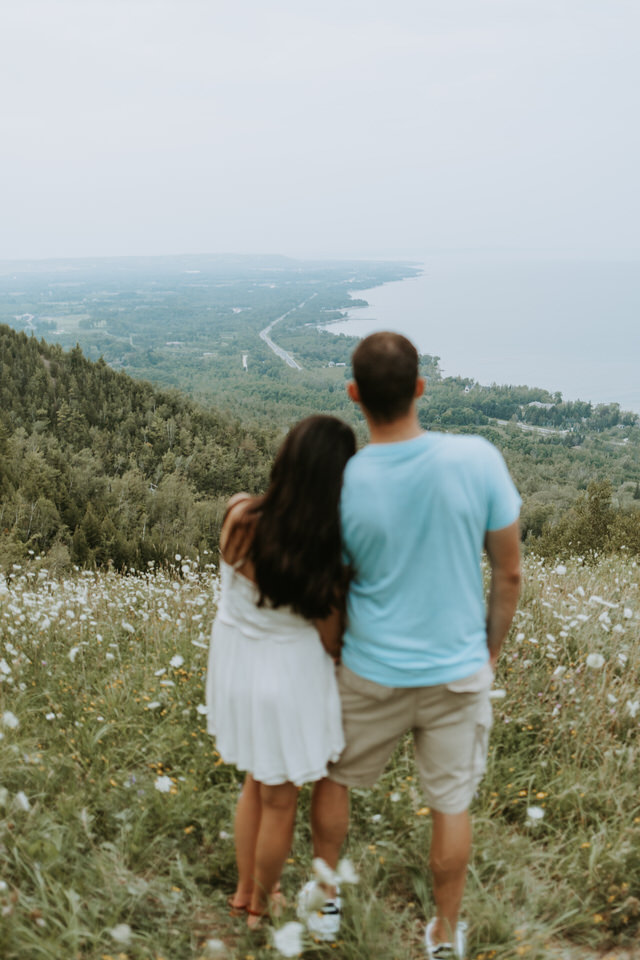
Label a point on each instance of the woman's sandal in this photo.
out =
(257, 916)
(277, 903)
(236, 909)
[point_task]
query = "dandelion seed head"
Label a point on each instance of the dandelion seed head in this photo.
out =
(10, 720)
(121, 933)
(595, 661)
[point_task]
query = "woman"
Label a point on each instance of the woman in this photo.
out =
(271, 690)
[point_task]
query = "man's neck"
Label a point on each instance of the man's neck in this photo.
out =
(405, 428)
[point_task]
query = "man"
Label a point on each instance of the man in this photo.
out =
(419, 649)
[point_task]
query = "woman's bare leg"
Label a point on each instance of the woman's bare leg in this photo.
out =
(246, 826)
(278, 813)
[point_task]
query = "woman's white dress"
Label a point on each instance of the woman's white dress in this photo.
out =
(272, 697)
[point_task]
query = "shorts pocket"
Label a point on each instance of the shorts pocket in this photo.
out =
(484, 722)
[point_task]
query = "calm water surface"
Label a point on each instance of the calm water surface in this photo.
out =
(567, 326)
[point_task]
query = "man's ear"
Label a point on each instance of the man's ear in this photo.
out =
(420, 385)
(353, 392)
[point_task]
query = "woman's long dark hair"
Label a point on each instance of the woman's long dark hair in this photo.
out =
(296, 548)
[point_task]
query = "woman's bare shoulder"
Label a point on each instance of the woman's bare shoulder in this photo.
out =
(235, 537)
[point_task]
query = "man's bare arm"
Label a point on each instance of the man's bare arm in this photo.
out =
(503, 550)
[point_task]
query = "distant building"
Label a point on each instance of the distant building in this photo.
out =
(245, 359)
(543, 406)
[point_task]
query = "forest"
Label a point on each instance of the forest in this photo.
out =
(121, 439)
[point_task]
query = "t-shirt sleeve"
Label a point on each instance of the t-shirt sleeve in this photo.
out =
(503, 499)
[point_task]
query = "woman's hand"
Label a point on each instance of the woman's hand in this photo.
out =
(331, 630)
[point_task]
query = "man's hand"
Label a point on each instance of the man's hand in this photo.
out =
(503, 550)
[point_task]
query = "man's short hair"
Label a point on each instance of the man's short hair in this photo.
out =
(385, 369)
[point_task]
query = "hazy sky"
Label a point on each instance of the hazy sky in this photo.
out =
(334, 128)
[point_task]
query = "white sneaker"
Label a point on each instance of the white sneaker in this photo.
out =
(446, 951)
(321, 916)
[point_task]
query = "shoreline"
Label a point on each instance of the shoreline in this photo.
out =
(544, 328)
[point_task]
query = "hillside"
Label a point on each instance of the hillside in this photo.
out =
(96, 466)
(107, 451)
(116, 809)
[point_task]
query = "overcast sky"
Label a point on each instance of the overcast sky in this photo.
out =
(337, 128)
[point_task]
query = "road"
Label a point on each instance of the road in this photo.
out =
(264, 335)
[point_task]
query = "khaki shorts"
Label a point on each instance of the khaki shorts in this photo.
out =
(450, 725)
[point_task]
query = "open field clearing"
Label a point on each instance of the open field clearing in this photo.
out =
(116, 812)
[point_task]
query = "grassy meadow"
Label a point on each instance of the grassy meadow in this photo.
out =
(116, 811)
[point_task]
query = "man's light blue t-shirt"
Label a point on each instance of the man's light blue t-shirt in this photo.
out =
(414, 518)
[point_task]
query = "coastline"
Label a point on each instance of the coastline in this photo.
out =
(515, 323)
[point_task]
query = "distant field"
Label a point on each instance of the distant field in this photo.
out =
(115, 808)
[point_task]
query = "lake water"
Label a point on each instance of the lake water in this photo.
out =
(562, 325)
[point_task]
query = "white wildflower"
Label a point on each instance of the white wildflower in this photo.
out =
(346, 872)
(535, 813)
(153, 705)
(604, 603)
(5, 668)
(3, 886)
(10, 720)
(160, 672)
(121, 933)
(214, 948)
(178, 557)
(632, 707)
(288, 939)
(224, 835)
(394, 797)
(323, 872)
(611, 699)
(595, 661)
(163, 784)
(559, 671)
(21, 801)
(127, 626)
(627, 613)
(376, 818)
(561, 569)
(49, 716)
(73, 653)
(176, 660)
(202, 709)
(497, 694)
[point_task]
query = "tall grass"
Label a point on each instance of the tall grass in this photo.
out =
(116, 811)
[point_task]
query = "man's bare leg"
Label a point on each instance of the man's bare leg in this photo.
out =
(450, 851)
(329, 820)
